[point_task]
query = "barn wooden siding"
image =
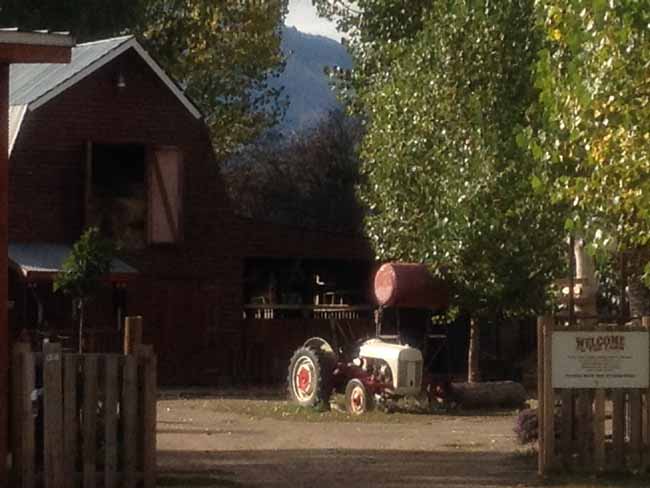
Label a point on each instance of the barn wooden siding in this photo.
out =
(189, 294)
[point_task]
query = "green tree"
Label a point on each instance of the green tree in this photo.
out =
(222, 53)
(594, 141)
(445, 88)
(86, 19)
(83, 271)
(308, 180)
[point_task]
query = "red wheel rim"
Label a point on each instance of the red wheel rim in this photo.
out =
(304, 379)
(357, 400)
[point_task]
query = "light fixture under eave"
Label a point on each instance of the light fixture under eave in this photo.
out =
(121, 82)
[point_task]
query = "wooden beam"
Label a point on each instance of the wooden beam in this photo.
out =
(4, 324)
(28, 447)
(53, 416)
(28, 53)
(549, 396)
(132, 334)
(173, 217)
(541, 431)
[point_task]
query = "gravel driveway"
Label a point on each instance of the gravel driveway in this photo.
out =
(252, 443)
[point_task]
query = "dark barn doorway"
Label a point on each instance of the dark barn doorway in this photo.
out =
(116, 193)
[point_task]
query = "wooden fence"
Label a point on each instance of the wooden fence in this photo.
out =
(590, 429)
(94, 424)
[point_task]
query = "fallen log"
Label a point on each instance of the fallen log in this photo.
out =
(489, 394)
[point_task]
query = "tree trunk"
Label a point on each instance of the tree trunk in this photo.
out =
(638, 296)
(81, 327)
(585, 304)
(473, 371)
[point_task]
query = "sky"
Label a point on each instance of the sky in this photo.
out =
(302, 15)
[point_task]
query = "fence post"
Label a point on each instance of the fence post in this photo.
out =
(546, 399)
(636, 437)
(52, 416)
(149, 420)
(128, 412)
(566, 447)
(599, 430)
(89, 447)
(28, 441)
(17, 392)
(618, 429)
(110, 420)
(586, 427)
(70, 415)
(132, 334)
(540, 397)
(549, 397)
(645, 461)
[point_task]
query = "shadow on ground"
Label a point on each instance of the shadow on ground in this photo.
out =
(315, 468)
(208, 393)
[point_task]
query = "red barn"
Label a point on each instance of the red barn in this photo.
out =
(111, 141)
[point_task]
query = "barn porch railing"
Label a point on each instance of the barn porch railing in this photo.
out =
(271, 333)
(283, 312)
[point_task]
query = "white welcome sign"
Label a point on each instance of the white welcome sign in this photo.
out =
(600, 359)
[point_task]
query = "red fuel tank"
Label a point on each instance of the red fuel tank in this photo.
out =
(410, 285)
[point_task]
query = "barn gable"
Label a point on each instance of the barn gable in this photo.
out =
(32, 86)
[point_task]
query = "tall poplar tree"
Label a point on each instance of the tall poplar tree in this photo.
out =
(593, 145)
(445, 89)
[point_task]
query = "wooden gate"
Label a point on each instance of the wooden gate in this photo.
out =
(590, 429)
(83, 420)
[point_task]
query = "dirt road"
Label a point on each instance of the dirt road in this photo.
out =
(246, 443)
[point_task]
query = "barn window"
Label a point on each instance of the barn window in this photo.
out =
(116, 192)
(133, 193)
(165, 195)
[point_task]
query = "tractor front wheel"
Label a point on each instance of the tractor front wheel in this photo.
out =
(309, 378)
(357, 398)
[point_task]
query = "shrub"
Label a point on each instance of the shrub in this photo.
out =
(526, 426)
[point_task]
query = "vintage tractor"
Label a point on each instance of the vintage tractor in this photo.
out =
(394, 363)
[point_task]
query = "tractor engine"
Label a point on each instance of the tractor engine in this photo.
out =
(396, 364)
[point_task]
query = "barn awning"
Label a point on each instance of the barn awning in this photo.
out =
(36, 261)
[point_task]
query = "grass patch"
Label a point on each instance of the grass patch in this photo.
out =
(466, 446)
(526, 453)
(285, 410)
(404, 411)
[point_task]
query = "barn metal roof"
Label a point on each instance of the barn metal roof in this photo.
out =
(29, 82)
(42, 261)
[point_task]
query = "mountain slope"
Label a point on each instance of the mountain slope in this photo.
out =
(306, 85)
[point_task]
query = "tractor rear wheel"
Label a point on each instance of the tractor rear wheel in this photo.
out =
(357, 398)
(309, 378)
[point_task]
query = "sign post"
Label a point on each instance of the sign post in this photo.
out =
(593, 394)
